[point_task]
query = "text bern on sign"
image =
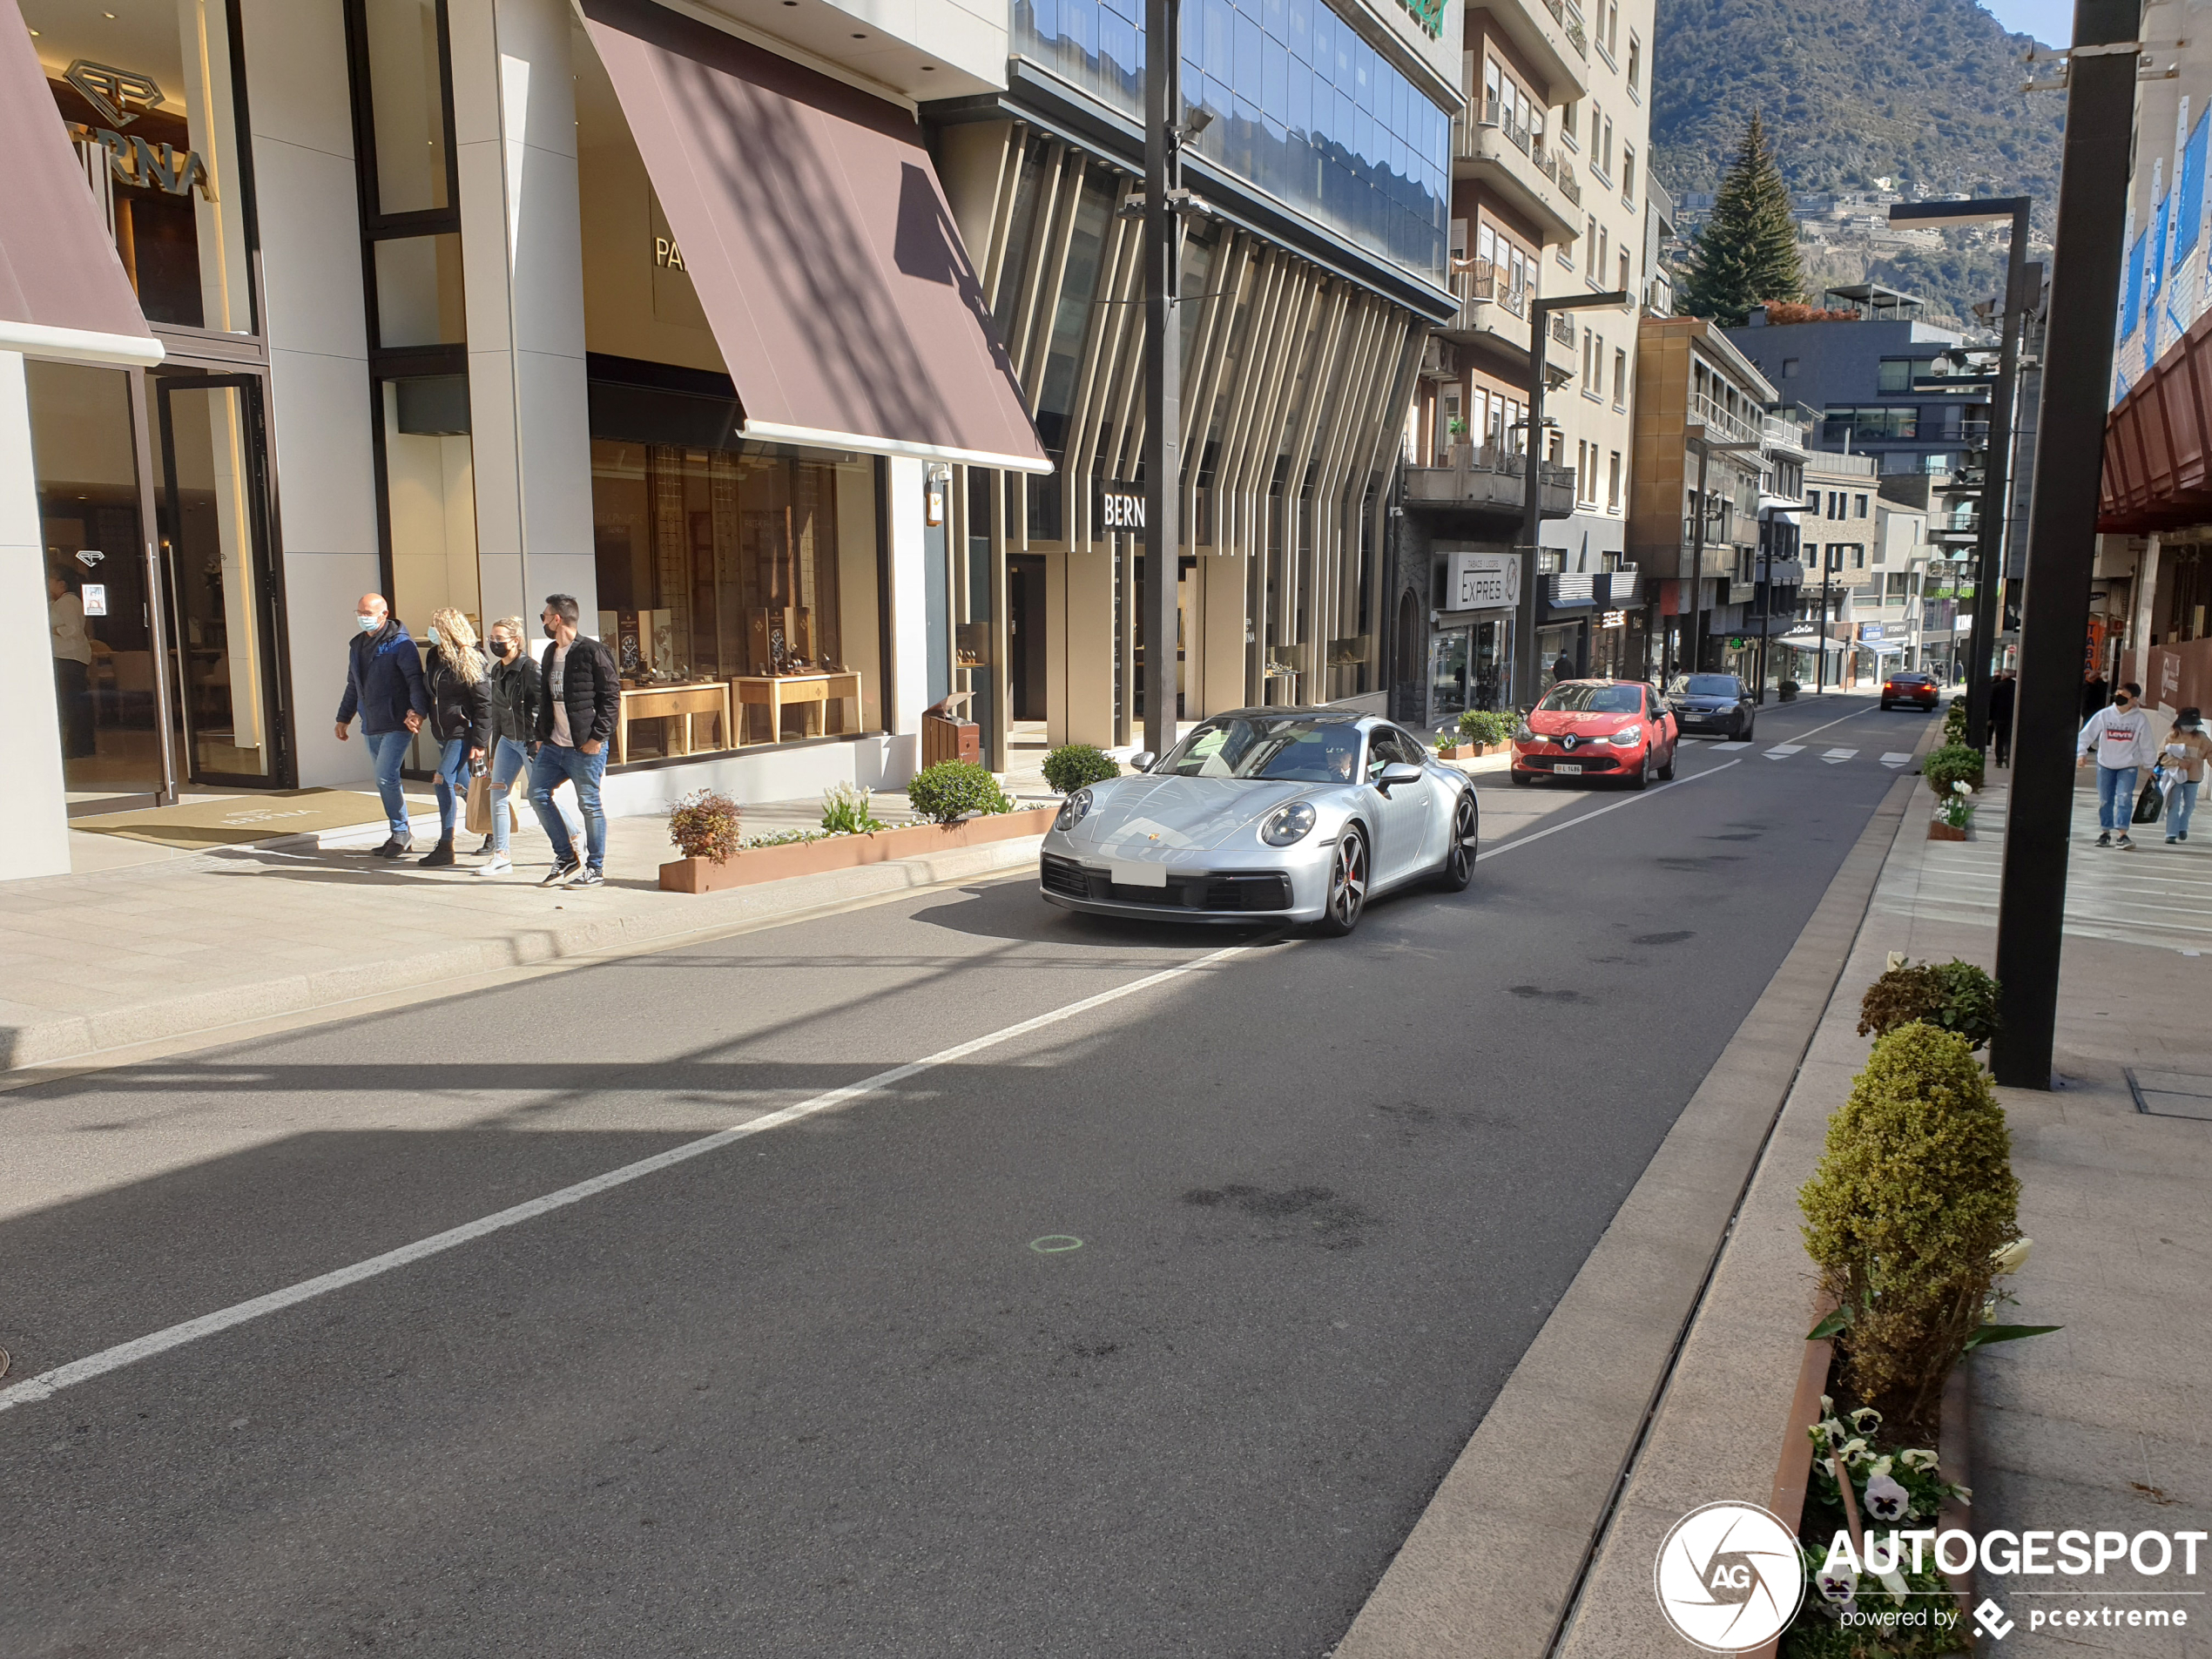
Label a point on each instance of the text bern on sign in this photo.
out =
(1120, 510)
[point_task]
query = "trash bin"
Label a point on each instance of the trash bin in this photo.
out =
(945, 735)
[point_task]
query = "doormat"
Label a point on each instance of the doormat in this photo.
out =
(238, 818)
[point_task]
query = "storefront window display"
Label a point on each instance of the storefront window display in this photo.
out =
(1469, 668)
(749, 570)
(146, 92)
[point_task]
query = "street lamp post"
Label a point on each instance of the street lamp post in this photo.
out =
(1527, 681)
(1989, 541)
(1162, 445)
(2062, 532)
(1693, 634)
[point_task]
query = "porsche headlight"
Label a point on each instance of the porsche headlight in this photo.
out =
(1287, 826)
(1072, 810)
(1628, 736)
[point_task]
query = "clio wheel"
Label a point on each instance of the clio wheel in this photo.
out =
(1347, 884)
(1459, 857)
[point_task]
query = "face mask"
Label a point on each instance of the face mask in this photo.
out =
(435, 640)
(500, 648)
(369, 624)
(552, 632)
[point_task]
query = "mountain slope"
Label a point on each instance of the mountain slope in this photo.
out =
(1924, 93)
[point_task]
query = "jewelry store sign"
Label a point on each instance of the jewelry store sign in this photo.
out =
(1482, 581)
(120, 97)
(1120, 508)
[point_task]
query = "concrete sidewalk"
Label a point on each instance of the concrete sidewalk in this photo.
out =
(2107, 1424)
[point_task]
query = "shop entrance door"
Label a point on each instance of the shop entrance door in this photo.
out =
(217, 568)
(1025, 628)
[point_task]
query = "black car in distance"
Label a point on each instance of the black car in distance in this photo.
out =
(1715, 703)
(1909, 686)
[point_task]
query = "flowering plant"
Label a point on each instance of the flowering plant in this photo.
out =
(1957, 808)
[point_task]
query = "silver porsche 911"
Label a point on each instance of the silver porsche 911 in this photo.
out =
(1265, 815)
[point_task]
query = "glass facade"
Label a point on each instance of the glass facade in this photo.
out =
(1303, 107)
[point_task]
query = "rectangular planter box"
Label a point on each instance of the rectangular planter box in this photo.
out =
(1472, 750)
(1940, 830)
(756, 864)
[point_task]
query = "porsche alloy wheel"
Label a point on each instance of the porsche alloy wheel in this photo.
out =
(1347, 884)
(1459, 857)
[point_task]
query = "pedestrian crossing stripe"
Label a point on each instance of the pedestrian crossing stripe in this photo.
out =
(1895, 760)
(1835, 755)
(1781, 751)
(1723, 748)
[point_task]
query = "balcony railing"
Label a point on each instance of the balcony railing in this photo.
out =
(1563, 328)
(1569, 185)
(1718, 421)
(1571, 15)
(1482, 285)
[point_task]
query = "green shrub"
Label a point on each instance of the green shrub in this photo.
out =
(846, 810)
(1073, 765)
(1485, 725)
(956, 789)
(1954, 721)
(1954, 996)
(1914, 1195)
(704, 824)
(1950, 764)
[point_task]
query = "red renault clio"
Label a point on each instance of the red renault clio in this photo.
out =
(1597, 729)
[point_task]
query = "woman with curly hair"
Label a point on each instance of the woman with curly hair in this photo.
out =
(460, 689)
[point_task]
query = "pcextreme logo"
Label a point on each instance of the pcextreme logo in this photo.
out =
(1729, 1577)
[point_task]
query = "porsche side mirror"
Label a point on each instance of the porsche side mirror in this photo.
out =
(1399, 772)
(1141, 761)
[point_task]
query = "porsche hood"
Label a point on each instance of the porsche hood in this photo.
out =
(1137, 814)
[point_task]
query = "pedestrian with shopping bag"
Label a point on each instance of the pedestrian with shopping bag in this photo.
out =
(2181, 764)
(518, 685)
(459, 684)
(2117, 740)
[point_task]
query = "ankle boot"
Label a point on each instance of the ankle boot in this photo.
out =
(442, 853)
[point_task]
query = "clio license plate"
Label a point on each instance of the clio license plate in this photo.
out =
(1571, 770)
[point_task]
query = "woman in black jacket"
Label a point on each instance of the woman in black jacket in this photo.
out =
(517, 687)
(460, 688)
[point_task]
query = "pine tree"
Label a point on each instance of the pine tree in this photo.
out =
(1747, 252)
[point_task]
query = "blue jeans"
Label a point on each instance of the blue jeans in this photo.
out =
(2115, 798)
(553, 765)
(452, 787)
(387, 749)
(508, 759)
(2179, 804)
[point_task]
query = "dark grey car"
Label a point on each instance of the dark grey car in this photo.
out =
(1719, 703)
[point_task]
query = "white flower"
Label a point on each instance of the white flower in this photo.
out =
(2013, 1257)
(1839, 1587)
(1965, 1495)
(1885, 1499)
(1853, 1451)
(1894, 1581)
(1962, 787)
(1827, 1406)
(1880, 1466)
(1865, 1418)
(1917, 1458)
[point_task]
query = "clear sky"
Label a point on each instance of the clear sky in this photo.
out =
(2049, 21)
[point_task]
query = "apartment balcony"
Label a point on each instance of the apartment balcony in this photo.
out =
(1720, 426)
(1492, 309)
(1510, 159)
(1487, 477)
(1550, 36)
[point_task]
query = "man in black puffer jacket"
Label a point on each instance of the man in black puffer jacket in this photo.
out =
(575, 721)
(384, 686)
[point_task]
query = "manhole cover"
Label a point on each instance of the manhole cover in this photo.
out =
(2172, 1094)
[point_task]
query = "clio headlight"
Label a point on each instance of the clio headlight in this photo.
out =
(1628, 736)
(1072, 810)
(1286, 826)
(1523, 734)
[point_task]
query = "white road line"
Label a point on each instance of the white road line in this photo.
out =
(1835, 755)
(1839, 721)
(1893, 758)
(1723, 748)
(47, 1384)
(1784, 751)
(1626, 800)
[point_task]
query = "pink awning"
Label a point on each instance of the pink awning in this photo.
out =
(825, 256)
(63, 292)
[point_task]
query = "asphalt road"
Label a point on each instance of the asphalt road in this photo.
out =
(817, 1392)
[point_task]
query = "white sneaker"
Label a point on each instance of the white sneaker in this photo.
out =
(497, 864)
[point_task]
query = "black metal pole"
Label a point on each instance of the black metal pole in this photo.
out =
(1527, 671)
(1163, 450)
(1820, 680)
(1693, 633)
(2062, 534)
(1996, 492)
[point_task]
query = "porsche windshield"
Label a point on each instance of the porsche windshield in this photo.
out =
(1311, 752)
(1586, 698)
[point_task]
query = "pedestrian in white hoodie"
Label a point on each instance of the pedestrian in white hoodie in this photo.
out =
(2119, 739)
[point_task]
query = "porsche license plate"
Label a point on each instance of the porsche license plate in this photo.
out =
(1572, 770)
(1138, 873)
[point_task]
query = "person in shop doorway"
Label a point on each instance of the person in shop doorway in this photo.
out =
(384, 685)
(2004, 691)
(72, 665)
(2118, 741)
(1563, 669)
(575, 719)
(2183, 754)
(2095, 693)
(518, 686)
(460, 685)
